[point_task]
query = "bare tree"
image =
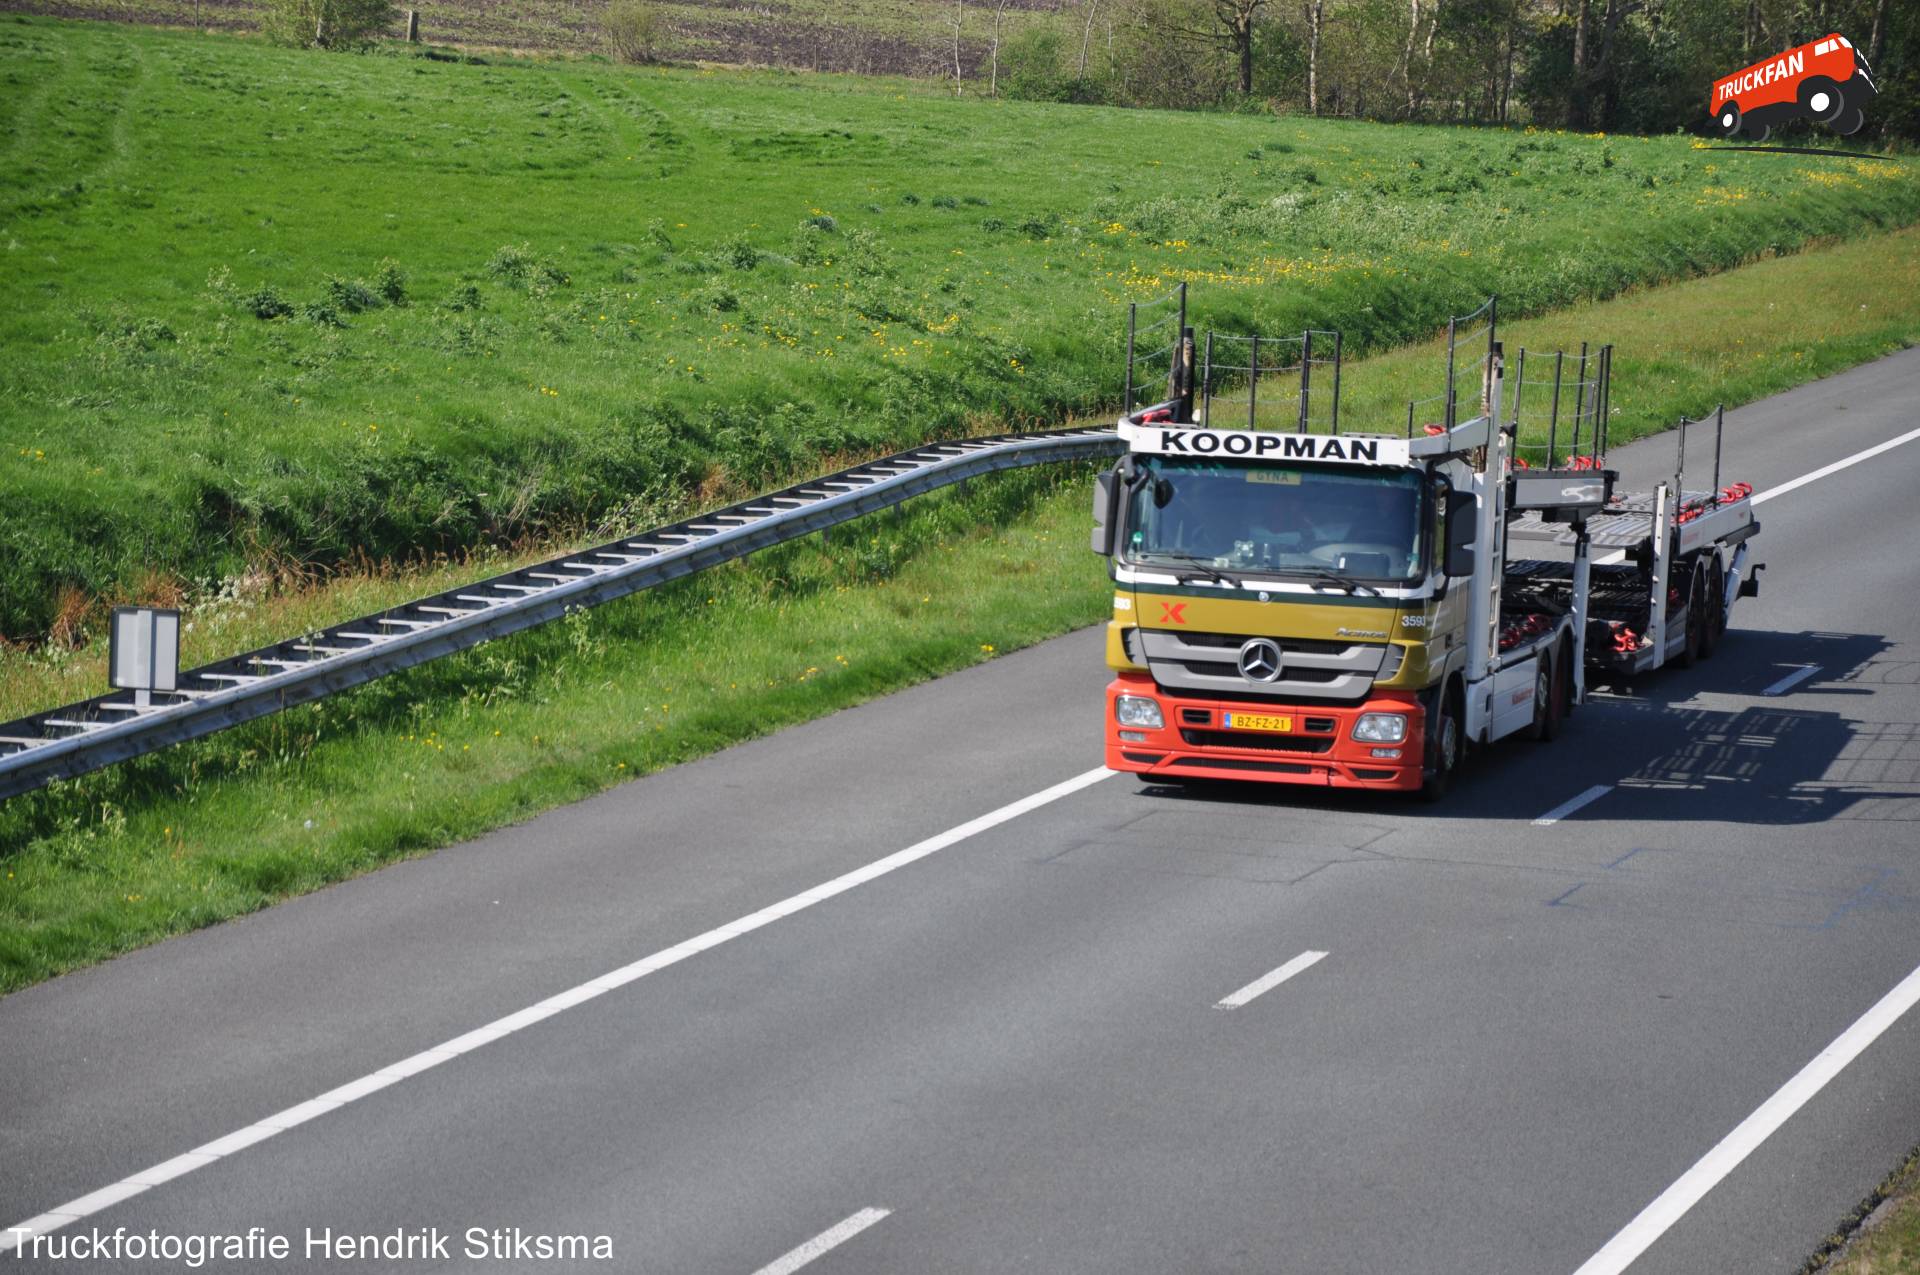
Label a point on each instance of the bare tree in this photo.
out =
(1878, 37)
(957, 21)
(1315, 9)
(1091, 9)
(993, 48)
(1238, 18)
(1405, 70)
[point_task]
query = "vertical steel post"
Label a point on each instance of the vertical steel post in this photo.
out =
(1253, 380)
(1409, 418)
(1553, 418)
(1606, 401)
(1580, 403)
(1448, 415)
(1133, 322)
(1520, 384)
(1206, 384)
(1306, 375)
(1336, 382)
(1680, 465)
(1719, 431)
(1183, 307)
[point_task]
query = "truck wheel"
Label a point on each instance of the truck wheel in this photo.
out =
(1442, 752)
(1727, 122)
(1757, 132)
(1821, 99)
(1850, 121)
(1715, 627)
(1546, 698)
(1696, 620)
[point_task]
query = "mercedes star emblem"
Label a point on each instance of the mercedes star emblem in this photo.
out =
(1260, 660)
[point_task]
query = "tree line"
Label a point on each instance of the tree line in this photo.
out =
(1642, 66)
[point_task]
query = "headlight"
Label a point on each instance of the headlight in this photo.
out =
(1381, 728)
(1137, 710)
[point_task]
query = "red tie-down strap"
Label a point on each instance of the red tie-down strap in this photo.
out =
(1728, 494)
(1625, 640)
(1582, 462)
(1525, 627)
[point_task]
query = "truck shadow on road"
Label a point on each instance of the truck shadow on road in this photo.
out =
(1672, 758)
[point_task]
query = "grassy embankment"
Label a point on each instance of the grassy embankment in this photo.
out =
(511, 301)
(229, 824)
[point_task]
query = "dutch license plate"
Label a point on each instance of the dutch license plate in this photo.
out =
(1256, 721)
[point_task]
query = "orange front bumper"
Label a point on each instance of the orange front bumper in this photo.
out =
(1320, 749)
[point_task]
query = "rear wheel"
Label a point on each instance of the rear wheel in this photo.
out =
(1695, 619)
(1821, 99)
(1758, 132)
(1850, 121)
(1715, 627)
(1442, 752)
(1548, 705)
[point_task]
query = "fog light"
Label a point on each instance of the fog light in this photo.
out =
(1380, 728)
(1385, 752)
(1138, 710)
(1134, 736)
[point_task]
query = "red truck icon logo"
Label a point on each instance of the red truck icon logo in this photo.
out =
(1827, 81)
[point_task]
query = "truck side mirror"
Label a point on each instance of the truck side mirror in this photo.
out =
(1462, 528)
(1106, 514)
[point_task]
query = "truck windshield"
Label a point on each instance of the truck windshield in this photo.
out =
(1278, 519)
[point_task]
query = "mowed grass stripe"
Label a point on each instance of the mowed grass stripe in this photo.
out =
(515, 299)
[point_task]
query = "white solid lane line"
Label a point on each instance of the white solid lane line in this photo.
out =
(1572, 804)
(1267, 982)
(1673, 1203)
(827, 1239)
(1836, 467)
(426, 1059)
(1792, 680)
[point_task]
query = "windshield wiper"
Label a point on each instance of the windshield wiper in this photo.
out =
(1333, 581)
(1207, 568)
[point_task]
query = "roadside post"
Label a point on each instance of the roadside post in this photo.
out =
(143, 653)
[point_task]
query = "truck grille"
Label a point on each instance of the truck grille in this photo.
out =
(1208, 663)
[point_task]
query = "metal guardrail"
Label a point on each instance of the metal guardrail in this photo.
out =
(78, 738)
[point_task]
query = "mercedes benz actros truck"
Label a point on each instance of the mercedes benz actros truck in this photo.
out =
(1299, 601)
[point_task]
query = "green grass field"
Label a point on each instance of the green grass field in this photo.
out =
(511, 302)
(228, 824)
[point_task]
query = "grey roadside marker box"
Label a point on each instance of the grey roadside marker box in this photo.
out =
(143, 654)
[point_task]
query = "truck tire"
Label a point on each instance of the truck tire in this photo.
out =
(1850, 121)
(1440, 758)
(1822, 99)
(1716, 621)
(1696, 619)
(1727, 122)
(1548, 707)
(1757, 132)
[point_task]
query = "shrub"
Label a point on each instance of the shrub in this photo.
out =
(737, 251)
(391, 282)
(264, 303)
(464, 297)
(323, 313)
(326, 24)
(992, 224)
(945, 201)
(350, 296)
(909, 198)
(635, 30)
(520, 267)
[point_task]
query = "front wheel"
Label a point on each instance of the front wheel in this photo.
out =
(1442, 754)
(1727, 122)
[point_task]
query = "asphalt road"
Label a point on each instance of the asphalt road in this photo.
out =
(1518, 1036)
